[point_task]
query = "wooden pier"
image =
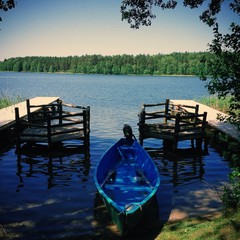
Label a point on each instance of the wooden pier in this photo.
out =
(212, 114)
(180, 120)
(46, 120)
(172, 123)
(7, 115)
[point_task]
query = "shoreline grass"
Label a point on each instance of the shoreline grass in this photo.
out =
(216, 103)
(6, 101)
(225, 227)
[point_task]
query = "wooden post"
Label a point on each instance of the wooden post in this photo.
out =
(86, 125)
(166, 110)
(176, 132)
(196, 109)
(141, 125)
(203, 134)
(53, 110)
(49, 132)
(204, 130)
(196, 113)
(29, 117)
(44, 112)
(17, 128)
(60, 111)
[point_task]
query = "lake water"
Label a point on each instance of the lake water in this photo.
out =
(45, 197)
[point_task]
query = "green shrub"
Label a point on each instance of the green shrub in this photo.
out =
(231, 194)
(221, 104)
(6, 101)
(230, 151)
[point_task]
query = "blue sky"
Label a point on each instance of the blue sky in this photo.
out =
(78, 27)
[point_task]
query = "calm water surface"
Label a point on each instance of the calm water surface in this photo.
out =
(51, 197)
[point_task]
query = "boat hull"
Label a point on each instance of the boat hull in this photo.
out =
(127, 179)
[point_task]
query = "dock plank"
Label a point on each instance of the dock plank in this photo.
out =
(7, 115)
(212, 120)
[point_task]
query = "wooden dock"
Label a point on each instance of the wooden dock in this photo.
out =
(212, 120)
(7, 115)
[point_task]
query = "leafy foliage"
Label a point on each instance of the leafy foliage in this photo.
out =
(231, 151)
(175, 63)
(6, 5)
(231, 193)
(139, 12)
(225, 69)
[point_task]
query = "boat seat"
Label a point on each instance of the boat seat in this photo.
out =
(122, 187)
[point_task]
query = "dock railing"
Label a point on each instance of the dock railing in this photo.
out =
(172, 123)
(52, 123)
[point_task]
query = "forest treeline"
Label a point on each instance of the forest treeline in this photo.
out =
(160, 64)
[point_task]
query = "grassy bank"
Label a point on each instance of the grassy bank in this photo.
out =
(6, 101)
(216, 103)
(225, 227)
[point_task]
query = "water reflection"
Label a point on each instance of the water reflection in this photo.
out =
(60, 167)
(178, 169)
(56, 194)
(190, 182)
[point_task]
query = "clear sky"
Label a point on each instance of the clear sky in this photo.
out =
(79, 27)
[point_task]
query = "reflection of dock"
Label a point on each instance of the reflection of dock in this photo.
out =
(61, 166)
(190, 184)
(212, 120)
(178, 170)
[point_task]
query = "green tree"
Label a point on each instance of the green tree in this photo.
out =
(225, 69)
(34, 65)
(174, 63)
(17, 67)
(6, 5)
(26, 66)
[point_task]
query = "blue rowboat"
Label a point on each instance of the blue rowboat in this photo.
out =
(127, 179)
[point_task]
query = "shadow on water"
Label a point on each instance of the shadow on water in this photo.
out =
(191, 182)
(51, 198)
(52, 195)
(178, 170)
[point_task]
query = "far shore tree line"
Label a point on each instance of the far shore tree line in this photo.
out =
(195, 63)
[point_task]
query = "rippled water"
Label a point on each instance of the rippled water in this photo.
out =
(50, 197)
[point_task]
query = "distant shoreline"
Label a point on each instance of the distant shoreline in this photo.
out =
(175, 64)
(154, 75)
